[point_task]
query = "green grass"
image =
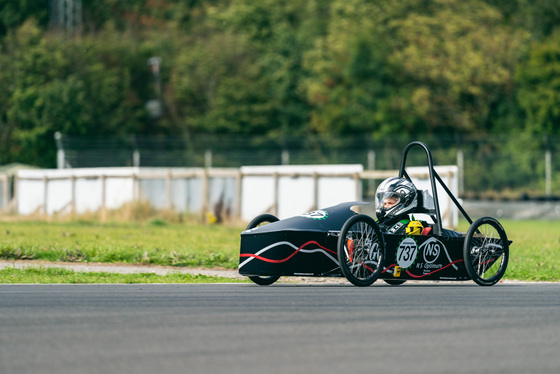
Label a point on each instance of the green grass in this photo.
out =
(191, 245)
(535, 251)
(60, 275)
(534, 254)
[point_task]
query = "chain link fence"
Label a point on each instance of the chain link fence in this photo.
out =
(505, 167)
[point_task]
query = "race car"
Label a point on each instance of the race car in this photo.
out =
(337, 241)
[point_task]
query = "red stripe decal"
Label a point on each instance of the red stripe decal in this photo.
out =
(287, 258)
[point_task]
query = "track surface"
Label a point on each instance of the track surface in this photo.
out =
(243, 328)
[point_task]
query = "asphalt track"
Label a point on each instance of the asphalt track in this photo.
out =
(284, 328)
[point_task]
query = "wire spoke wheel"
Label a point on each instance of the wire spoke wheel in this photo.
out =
(361, 250)
(486, 251)
(262, 220)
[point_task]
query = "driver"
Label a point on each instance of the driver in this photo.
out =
(395, 199)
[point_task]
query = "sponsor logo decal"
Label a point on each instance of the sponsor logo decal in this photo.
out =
(432, 260)
(431, 249)
(395, 228)
(316, 214)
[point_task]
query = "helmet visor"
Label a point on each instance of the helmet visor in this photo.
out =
(387, 200)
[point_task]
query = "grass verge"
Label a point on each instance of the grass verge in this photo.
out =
(534, 254)
(156, 243)
(64, 276)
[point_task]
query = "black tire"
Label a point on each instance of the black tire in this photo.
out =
(260, 220)
(394, 282)
(361, 250)
(486, 251)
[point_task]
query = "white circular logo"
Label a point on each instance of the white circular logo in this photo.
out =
(407, 252)
(432, 249)
(316, 214)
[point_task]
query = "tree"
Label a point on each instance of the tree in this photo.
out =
(73, 86)
(538, 17)
(14, 13)
(539, 86)
(350, 77)
(415, 66)
(242, 74)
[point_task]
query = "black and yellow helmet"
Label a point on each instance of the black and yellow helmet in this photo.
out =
(414, 228)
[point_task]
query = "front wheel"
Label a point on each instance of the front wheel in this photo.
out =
(261, 220)
(361, 250)
(486, 251)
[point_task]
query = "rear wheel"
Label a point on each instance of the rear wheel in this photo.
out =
(394, 282)
(486, 251)
(261, 220)
(361, 250)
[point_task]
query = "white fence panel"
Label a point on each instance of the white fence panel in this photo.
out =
(290, 190)
(285, 190)
(30, 196)
(4, 191)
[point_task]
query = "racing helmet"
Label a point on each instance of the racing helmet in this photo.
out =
(395, 197)
(414, 228)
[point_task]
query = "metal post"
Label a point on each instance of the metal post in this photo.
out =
(276, 193)
(239, 193)
(45, 193)
(204, 194)
(168, 190)
(371, 166)
(208, 159)
(315, 191)
(60, 155)
(285, 157)
(548, 172)
(5, 192)
(14, 202)
(136, 158)
(461, 165)
(371, 159)
(155, 106)
(103, 198)
(135, 188)
(73, 193)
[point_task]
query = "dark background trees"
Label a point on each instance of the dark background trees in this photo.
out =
(274, 68)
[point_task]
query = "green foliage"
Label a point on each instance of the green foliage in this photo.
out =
(278, 69)
(463, 66)
(385, 69)
(539, 86)
(74, 87)
(539, 17)
(14, 13)
(349, 75)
